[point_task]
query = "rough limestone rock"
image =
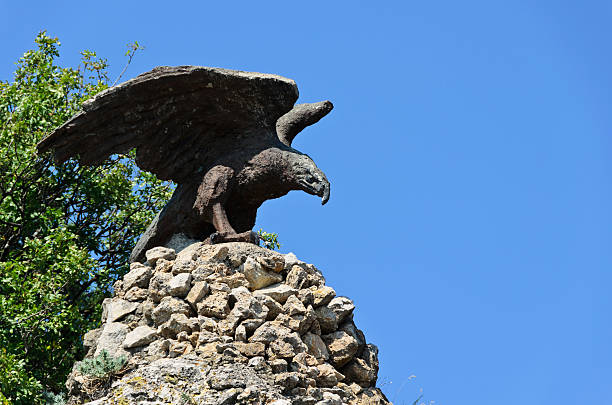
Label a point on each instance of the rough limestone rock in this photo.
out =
(140, 336)
(197, 330)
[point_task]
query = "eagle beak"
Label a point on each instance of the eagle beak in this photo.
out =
(325, 196)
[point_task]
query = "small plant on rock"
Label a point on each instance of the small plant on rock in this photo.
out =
(102, 366)
(186, 399)
(51, 398)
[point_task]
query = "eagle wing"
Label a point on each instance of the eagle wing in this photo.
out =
(175, 117)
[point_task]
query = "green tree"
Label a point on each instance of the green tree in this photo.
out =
(66, 231)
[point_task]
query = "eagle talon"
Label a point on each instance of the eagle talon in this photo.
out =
(253, 238)
(216, 237)
(248, 236)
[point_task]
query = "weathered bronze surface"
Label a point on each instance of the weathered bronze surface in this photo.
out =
(223, 136)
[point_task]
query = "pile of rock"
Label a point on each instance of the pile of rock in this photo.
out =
(225, 324)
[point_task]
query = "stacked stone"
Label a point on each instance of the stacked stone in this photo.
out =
(229, 323)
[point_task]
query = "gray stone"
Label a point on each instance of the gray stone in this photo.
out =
(251, 324)
(316, 346)
(207, 337)
(214, 305)
(207, 324)
(140, 336)
(177, 323)
(287, 345)
(219, 288)
(371, 396)
(159, 252)
(279, 292)
(228, 325)
(360, 372)
(258, 277)
(239, 294)
(214, 253)
(297, 277)
(363, 370)
(292, 260)
(163, 266)
(117, 308)
(159, 348)
(249, 308)
(225, 378)
(341, 346)
(136, 294)
(305, 364)
(90, 340)
(327, 319)
(229, 396)
(158, 287)
(197, 292)
(118, 289)
(111, 339)
(239, 251)
(138, 276)
(147, 308)
(179, 348)
(350, 328)
(330, 399)
(273, 262)
(293, 306)
(167, 307)
(274, 307)
(235, 280)
(287, 380)
(315, 277)
(202, 272)
(306, 296)
(278, 365)
(180, 285)
(183, 336)
(269, 331)
(315, 328)
(342, 307)
(240, 334)
(328, 376)
(251, 349)
(323, 295)
(299, 322)
(257, 362)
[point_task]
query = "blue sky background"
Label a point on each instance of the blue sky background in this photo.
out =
(469, 154)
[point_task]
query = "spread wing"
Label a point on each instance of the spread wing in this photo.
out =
(174, 117)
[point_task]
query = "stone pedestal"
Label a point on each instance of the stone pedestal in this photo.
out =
(231, 323)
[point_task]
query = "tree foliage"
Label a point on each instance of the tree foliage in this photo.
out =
(269, 239)
(66, 231)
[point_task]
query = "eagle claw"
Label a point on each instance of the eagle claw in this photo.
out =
(248, 236)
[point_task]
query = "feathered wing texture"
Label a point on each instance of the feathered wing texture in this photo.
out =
(176, 117)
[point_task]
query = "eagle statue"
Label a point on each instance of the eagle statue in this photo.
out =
(224, 136)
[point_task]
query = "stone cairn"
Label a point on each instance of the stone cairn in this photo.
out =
(232, 323)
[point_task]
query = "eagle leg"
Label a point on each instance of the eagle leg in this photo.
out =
(225, 232)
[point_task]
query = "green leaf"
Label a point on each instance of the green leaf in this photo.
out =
(66, 231)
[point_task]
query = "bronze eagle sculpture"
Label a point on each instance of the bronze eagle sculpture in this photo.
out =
(224, 136)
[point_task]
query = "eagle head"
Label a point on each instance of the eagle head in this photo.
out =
(304, 175)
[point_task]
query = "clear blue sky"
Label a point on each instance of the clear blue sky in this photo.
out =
(470, 160)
